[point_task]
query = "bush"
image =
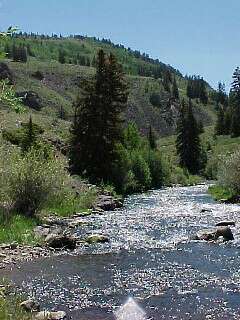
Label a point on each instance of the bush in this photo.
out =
(120, 169)
(141, 171)
(28, 181)
(156, 169)
(229, 172)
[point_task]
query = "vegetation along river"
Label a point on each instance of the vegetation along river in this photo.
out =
(150, 258)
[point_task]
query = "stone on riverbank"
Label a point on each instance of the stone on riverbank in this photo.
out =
(30, 305)
(107, 203)
(48, 315)
(97, 238)
(60, 241)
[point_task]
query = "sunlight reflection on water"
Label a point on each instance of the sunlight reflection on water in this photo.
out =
(130, 310)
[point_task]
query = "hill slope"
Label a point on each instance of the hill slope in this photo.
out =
(150, 102)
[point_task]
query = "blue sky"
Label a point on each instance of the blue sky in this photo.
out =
(197, 37)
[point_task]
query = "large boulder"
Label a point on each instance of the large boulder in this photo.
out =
(6, 73)
(107, 203)
(30, 99)
(50, 315)
(30, 305)
(213, 235)
(224, 232)
(225, 223)
(61, 241)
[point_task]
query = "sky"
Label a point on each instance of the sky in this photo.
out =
(196, 37)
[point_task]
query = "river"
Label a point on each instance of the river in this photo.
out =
(149, 258)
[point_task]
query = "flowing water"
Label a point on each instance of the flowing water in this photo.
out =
(149, 258)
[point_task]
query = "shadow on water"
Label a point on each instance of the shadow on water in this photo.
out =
(149, 258)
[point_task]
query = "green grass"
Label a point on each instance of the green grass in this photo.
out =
(18, 229)
(220, 193)
(10, 309)
(70, 205)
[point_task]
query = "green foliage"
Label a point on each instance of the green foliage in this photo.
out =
(29, 181)
(26, 136)
(220, 193)
(97, 126)
(68, 203)
(229, 172)
(175, 93)
(9, 306)
(141, 171)
(196, 89)
(152, 139)
(155, 164)
(8, 97)
(188, 142)
(140, 167)
(17, 229)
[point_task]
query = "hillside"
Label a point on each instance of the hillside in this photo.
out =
(150, 100)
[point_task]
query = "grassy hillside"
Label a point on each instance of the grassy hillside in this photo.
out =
(149, 101)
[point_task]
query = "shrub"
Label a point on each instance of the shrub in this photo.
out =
(28, 181)
(156, 168)
(229, 172)
(121, 168)
(141, 171)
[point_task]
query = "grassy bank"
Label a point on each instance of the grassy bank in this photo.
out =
(220, 193)
(10, 307)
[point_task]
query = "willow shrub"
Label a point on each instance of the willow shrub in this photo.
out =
(229, 172)
(29, 181)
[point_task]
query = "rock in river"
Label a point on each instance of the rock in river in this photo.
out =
(225, 223)
(224, 232)
(97, 238)
(214, 234)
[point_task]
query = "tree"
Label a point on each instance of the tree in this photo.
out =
(235, 101)
(152, 139)
(19, 54)
(97, 126)
(62, 56)
(188, 142)
(220, 124)
(175, 92)
(30, 136)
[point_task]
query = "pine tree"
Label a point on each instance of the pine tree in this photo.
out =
(175, 92)
(152, 139)
(97, 126)
(235, 100)
(188, 142)
(62, 56)
(220, 124)
(30, 137)
(19, 54)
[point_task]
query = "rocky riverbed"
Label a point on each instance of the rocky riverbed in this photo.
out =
(58, 236)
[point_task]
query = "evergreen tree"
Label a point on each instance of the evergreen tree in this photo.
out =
(97, 126)
(175, 92)
(152, 139)
(30, 137)
(220, 124)
(19, 54)
(62, 56)
(235, 100)
(188, 142)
